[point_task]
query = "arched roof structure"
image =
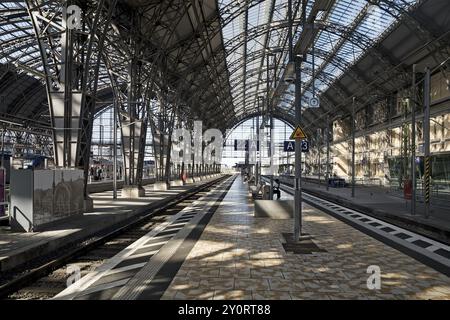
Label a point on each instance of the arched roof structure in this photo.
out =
(221, 57)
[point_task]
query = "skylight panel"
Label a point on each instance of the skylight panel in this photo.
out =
(334, 54)
(376, 22)
(345, 11)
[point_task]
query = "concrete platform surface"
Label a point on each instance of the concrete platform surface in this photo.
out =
(145, 268)
(239, 256)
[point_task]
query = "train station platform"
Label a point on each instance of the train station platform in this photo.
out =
(17, 248)
(217, 249)
(390, 205)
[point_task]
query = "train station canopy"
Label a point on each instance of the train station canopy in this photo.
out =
(224, 59)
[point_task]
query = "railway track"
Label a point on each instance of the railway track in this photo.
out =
(47, 279)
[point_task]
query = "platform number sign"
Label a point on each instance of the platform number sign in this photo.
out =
(305, 146)
(289, 146)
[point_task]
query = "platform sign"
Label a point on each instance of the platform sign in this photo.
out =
(289, 146)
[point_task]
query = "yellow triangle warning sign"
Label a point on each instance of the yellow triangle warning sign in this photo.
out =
(298, 133)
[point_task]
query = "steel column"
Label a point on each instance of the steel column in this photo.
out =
(115, 106)
(353, 147)
(258, 173)
(426, 141)
(269, 110)
(328, 153)
(298, 155)
(413, 141)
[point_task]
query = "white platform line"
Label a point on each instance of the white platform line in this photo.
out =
(126, 268)
(105, 286)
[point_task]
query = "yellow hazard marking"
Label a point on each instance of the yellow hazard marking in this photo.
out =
(298, 133)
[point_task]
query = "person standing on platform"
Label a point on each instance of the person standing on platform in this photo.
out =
(276, 189)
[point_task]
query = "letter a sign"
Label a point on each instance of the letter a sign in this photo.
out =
(289, 146)
(298, 134)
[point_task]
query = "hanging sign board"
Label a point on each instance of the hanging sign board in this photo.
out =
(289, 146)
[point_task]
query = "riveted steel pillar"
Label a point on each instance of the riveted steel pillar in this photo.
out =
(66, 36)
(328, 153)
(353, 147)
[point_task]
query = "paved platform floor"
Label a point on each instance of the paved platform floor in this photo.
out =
(18, 247)
(145, 268)
(391, 202)
(242, 257)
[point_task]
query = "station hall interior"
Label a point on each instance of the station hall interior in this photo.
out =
(225, 149)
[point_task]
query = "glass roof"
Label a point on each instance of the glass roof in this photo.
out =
(252, 28)
(16, 34)
(18, 44)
